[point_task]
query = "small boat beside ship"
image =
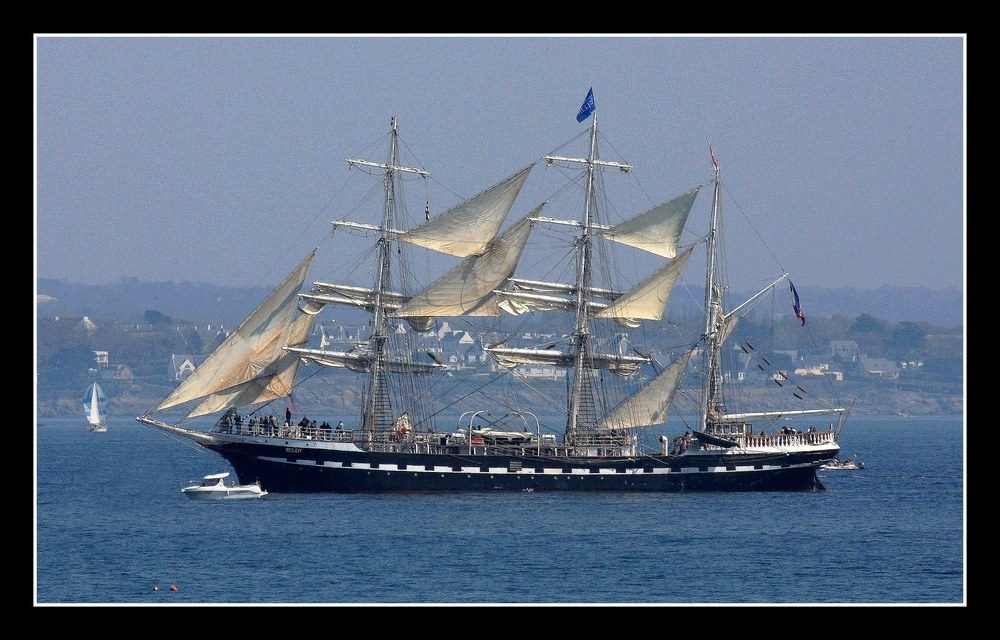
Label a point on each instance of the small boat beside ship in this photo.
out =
(846, 465)
(214, 487)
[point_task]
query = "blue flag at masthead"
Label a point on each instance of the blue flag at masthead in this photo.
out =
(588, 106)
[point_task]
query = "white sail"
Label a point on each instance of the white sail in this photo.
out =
(466, 229)
(251, 351)
(94, 405)
(467, 290)
(649, 405)
(276, 380)
(657, 230)
(648, 299)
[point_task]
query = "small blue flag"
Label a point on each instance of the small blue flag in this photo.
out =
(588, 107)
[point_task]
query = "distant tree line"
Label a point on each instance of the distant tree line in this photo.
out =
(66, 364)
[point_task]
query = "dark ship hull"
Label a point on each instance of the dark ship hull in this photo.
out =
(295, 470)
(286, 465)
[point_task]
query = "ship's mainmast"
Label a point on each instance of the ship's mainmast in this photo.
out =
(582, 413)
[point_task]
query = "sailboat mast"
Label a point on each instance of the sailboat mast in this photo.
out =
(713, 307)
(579, 408)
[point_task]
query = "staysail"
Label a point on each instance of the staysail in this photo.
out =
(249, 366)
(273, 381)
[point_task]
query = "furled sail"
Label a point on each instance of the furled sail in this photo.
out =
(649, 405)
(622, 365)
(324, 293)
(726, 325)
(657, 230)
(466, 229)
(362, 362)
(536, 286)
(251, 350)
(520, 302)
(648, 299)
(467, 290)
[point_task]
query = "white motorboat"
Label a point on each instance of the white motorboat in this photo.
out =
(213, 487)
(846, 465)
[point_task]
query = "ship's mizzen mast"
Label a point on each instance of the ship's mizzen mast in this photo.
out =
(711, 390)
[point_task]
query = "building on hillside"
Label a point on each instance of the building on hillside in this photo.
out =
(846, 350)
(117, 372)
(182, 365)
(878, 368)
(811, 366)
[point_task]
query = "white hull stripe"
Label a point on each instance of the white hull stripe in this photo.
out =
(361, 466)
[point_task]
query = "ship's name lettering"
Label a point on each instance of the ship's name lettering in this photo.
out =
(293, 450)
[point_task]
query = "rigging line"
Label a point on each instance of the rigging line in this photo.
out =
(185, 442)
(416, 161)
(583, 134)
(752, 227)
(456, 401)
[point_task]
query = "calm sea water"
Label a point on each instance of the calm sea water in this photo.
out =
(111, 524)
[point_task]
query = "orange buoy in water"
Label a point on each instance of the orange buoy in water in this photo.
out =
(173, 588)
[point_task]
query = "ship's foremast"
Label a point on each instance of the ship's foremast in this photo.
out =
(378, 414)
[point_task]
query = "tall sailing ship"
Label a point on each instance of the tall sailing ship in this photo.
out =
(615, 391)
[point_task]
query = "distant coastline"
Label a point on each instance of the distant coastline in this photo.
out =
(127, 299)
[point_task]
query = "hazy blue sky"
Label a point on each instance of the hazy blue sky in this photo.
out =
(197, 158)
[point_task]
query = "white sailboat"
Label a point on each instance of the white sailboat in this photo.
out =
(614, 389)
(94, 409)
